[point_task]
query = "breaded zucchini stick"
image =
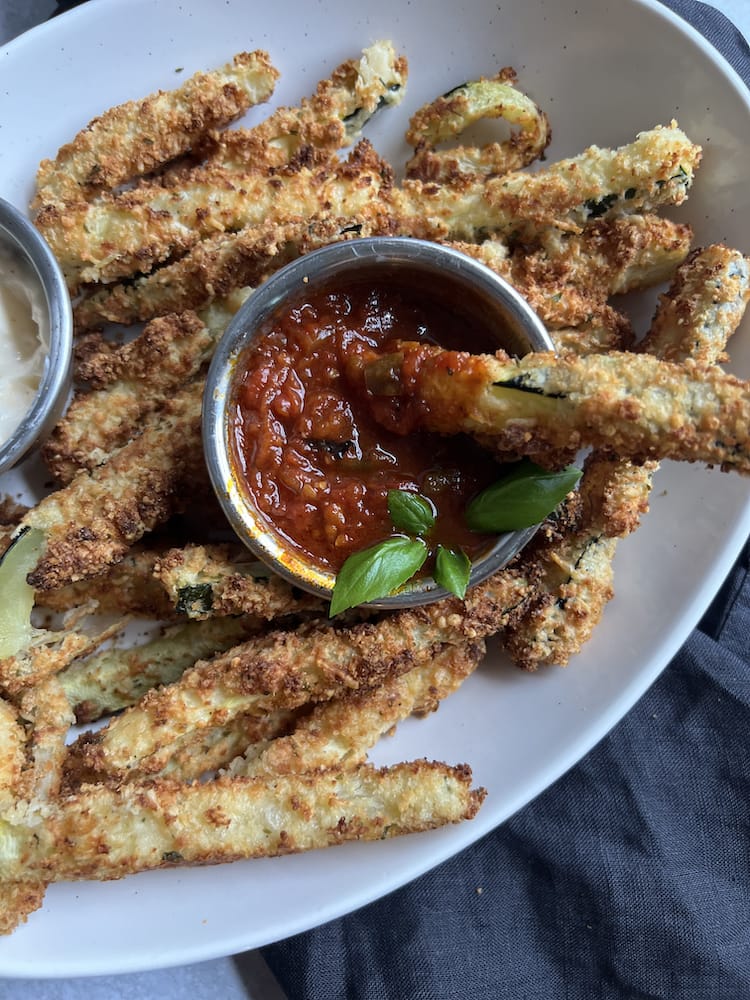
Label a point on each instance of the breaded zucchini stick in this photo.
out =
(329, 120)
(46, 714)
(50, 651)
(657, 168)
(217, 265)
(571, 275)
(148, 227)
(92, 522)
(205, 751)
(103, 833)
(287, 669)
(340, 732)
(700, 312)
(703, 307)
(129, 233)
(635, 405)
(450, 114)
(136, 137)
(565, 281)
(205, 581)
(126, 588)
(115, 678)
(576, 573)
(132, 382)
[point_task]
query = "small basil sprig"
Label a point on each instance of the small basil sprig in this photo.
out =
(521, 499)
(452, 569)
(410, 512)
(377, 571)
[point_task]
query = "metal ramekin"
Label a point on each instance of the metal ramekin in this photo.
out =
(19, 235)
(450, 270)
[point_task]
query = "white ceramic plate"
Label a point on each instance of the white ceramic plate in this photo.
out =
(603, 69)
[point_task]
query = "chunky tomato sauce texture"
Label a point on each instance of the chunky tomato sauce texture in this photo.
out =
(305, 445)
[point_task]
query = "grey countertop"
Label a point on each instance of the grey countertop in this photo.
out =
(246, 976)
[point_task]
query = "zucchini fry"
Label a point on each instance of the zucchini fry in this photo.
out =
(571, 275)
(115, 678)
(52, 650)
(635, 405)
(217, 265)
(17, 898)
(576, 573)
(136, 137)
(103, 833)
(92, 522)
(340, 732)
(288, 669)
(329, 120)
(199, 754)
(204, 581)
(46, 714)
(130, 232)
(132, 382)
(699, 314)
(450, 114)
(703, 307)
(657, 168)
(125, 588)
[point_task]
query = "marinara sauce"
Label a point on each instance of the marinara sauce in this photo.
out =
(307, 449)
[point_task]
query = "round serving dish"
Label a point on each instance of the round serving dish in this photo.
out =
(440, 271)
(19, 237)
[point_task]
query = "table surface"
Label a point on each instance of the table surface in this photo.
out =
(246, 976)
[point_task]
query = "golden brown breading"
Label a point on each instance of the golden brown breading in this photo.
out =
(131, 382)
(12, 744)
(204, 581)
(450, 114)
(205, 751)
(703, 307)
(329, 120)
(657, 168)
(17, 900)
(103, 832)
(218, 265)
(605, 329)
(138, 136)
(132, 231)
(117, 677)
(573, 274)
(92, 522)
(341, 731)
(126, 588)
(700, 312)
(634, 405)
(286, 669)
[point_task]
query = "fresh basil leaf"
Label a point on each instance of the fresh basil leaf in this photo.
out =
(410, 512)
(452, 569)
(376, 572)
(523, 498)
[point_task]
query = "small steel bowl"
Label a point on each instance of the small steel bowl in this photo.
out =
(443, 272)
(18, 236)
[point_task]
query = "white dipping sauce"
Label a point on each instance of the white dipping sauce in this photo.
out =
(24, 339)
